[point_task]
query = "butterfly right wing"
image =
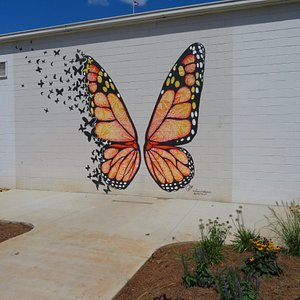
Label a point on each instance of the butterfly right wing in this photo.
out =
(174, 122)
(120, 154)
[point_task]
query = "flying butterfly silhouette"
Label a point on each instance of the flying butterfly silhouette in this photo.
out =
(77, 71)
(79, 59)
(173, 123)
(59, 91)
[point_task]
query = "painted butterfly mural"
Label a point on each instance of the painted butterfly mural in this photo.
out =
(174, 122)
(85, 86)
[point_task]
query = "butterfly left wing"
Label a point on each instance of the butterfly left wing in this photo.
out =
(120, 153)
(174, 121)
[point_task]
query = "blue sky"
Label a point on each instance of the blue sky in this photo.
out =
(18, 15)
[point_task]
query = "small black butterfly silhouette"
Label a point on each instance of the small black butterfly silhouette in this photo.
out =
(50, 83)
(46, 77)
(78, 59)
(41, 83)
(107, 190)
(82, 111)
(46, 110)
(56, 101)
(76, 105)
(51, 64)
(42, 93)
(87, 167)
(90, 122)
(43, 61)
(45, 52)
(29, 61)
(71, 108)
(89, 176)
(97, 183)
(81, 128)
(64, 57)
(77, 71)
(80, 94)
(59, 92)
(60, 79)
(69, 97)
(89, 136)
(38, 61)
(69, 88)
(76, 87)
(54, 76)
(67, 71)
(56, 52)
(38, 69)
(65, 64)
(51, 91)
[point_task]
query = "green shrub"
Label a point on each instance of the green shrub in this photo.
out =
(264, 260)
(243, 235)
(285, 223)
(213, 236)
(201, 276)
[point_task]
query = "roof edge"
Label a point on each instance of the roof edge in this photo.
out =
(198, 9)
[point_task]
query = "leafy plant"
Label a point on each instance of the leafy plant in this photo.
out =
(213, 236)
(243, 235)
(189, 280)
(263, 262)
(285, 223)
(232, 286)
(201, 276)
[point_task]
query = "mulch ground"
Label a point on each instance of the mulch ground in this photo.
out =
(162, 275)
(9, 230)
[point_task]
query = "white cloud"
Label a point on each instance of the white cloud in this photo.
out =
(140, 2)
(99, 2)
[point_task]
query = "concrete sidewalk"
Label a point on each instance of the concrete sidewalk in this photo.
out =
(87, 246)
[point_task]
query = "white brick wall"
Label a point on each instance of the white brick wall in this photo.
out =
(7, 127)
(248, 144)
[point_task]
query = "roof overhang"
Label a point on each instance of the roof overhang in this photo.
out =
(199, 9)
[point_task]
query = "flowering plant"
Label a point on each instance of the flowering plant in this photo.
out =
(263, 262)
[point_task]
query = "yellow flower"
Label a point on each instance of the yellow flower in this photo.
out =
(260, 249)
(251, 259)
